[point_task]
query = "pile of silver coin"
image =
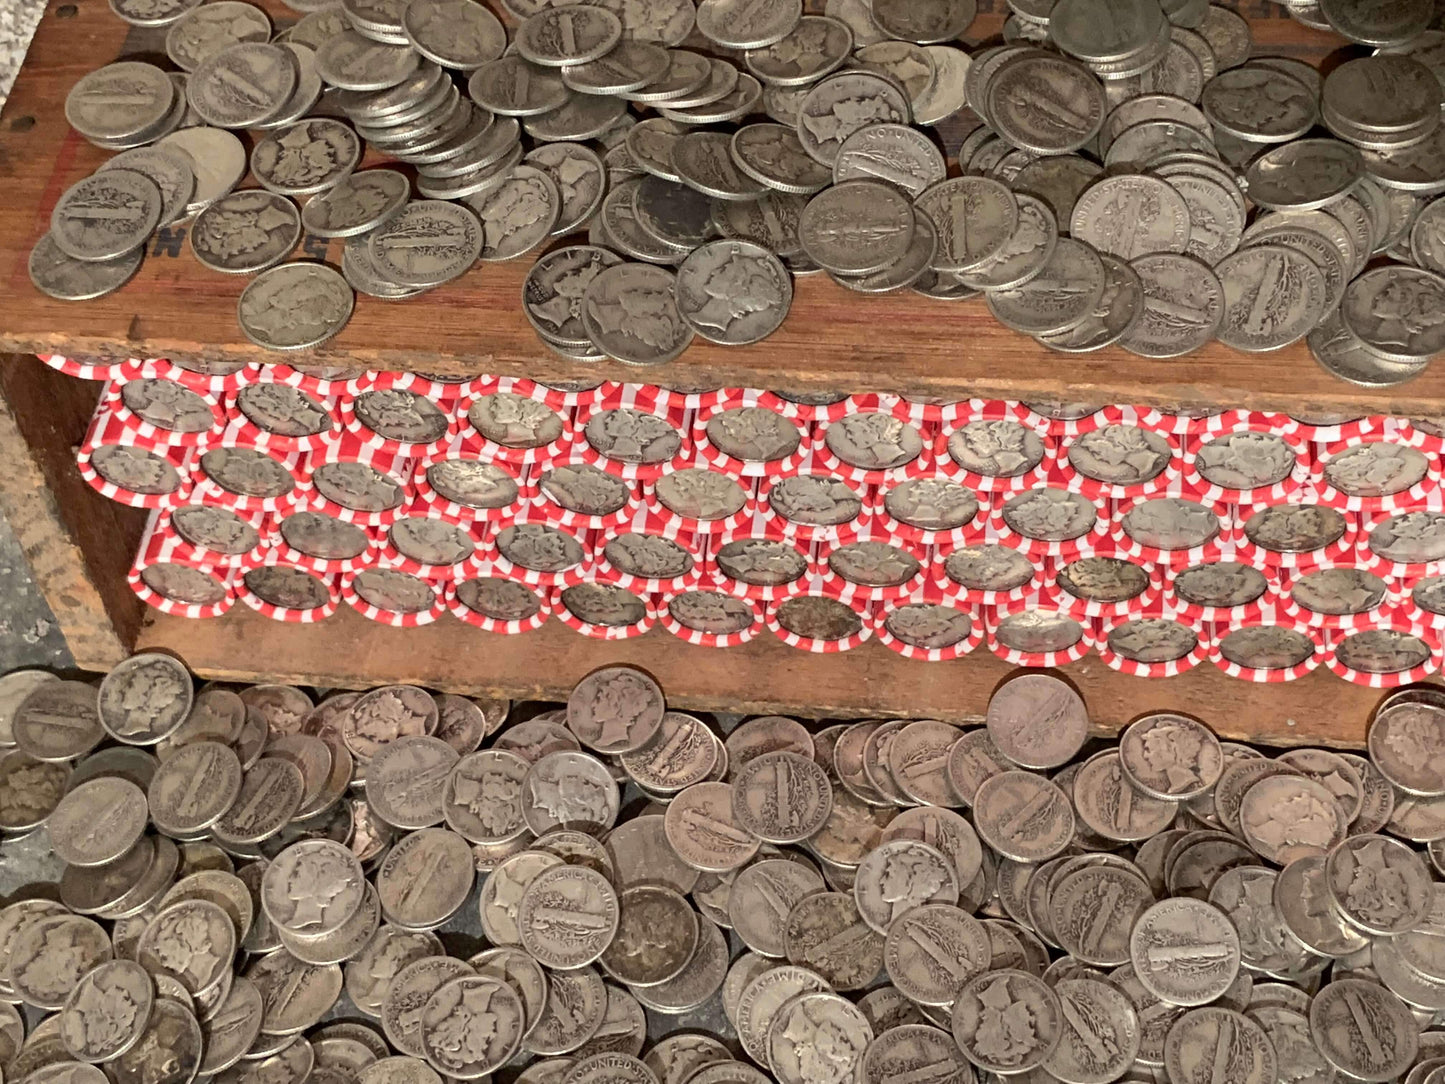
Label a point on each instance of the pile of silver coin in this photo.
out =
(1128, 173)
(252, 886)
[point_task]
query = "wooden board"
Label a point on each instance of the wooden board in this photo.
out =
(832, 340)
(349, 651)
(78, 544)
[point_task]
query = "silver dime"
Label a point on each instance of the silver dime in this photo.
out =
(567, 916)
(202, 34)
(459, 34)
(1059, 297)
(169, 169)
(107, 215)
(245, 232)
(307, 157)
(294, 306)
(242, 85)
(1201, 1039)
(975, 217)
(427, 243)
(1132, 215)
(815, 46)
(774, 155)
(990, 998)
(617, 292)
(1183, 306)
(1273, 296)
(67, 279)
(781, 797)
(1023, 816)
(355, 205)
(1045, 104)
(1363, 1029)
(933, 949)
(1184, 951)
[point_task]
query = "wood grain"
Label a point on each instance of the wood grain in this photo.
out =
(832, 339)
(349, 651)
(79, 544)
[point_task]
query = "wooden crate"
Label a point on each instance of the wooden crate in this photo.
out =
(81, 544)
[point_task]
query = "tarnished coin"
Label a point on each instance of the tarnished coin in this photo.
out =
(294, 306)
(307, 157)
(781, 797)
(1037, 721)
(1170, 757)
(98, 821)
(192, 941)
(107, 1012)
(1363, 1029)
(313, 887)
(733, 292)
(107, 215)
(702, 828)
(425, 878)
(1023, 816)
(1285, 817)
(452, 237)
(471, 1025)
(1183, 306)
(986, 1001)
(567, 916)
(801, 1024)
(1184, 951)
(932, 950)
(407, 779)
(145, 698)
(1198, 1038)
(656, 934)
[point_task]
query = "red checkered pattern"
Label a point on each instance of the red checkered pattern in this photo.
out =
(1355, 428)
(462, 612)
(390, 557)
(465, 447)
(399, 468)
(1282, 613)
(439, 391)
(210, 491)
(706, 453)
(761, 526)
(849, 591)
(652, 404)
(712, 639)
(648, 521)
(818, 587)
(1184, 425)
(250, 434)
(320, 386)
(1096, 540)
(1126, 545)
(91, 366)
(1161, 611)
(825, 459)
(287, 613)
(1409, 497)
(107, 429)
(1245, 422)
(158, 547)
(1411, 432)
(1081, 608)
(165, 369)
(149, 435)
(1042, 602)
(1288, 578)
(604, 632)
(258, 521)
(396, 619)
(359, 431)
(929, 594)
(290, 555)
(724, 399)
(1396, 621)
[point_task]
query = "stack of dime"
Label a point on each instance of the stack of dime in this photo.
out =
(248, 885)
(1129, 173)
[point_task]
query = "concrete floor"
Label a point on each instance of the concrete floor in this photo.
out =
(28, 634)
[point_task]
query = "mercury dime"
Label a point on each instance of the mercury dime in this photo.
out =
(857, 227)
(295, 306)
(733, 292)
(614, 294)
(567, 916)
(58, 721)
(1363, 1030)
(1246, 895)
(1059, 297)
(1170, 757)
(458, 34)
(355, 205)
(194, 787)
(1037, 721)
(1183, 306)
(119, 101)
(1184, 951)
(979, 1020)
(407, 780)
(201, 34)
(1231, 102)
(427, 243)
(1273, 296)
(932, 950)
(781, 797)
(1045, 104)
(242, 85)
(67, 279)
(307, 157)
(1215, 1040)
(353, 62)
(145, 698)
(774, 155)
(1132, 215)
(483, 1007)
(107, 1012)
(107, 215)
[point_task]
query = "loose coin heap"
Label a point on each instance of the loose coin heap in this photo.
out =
(1128, 172)
(253, 886)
